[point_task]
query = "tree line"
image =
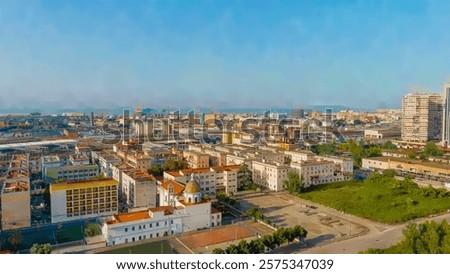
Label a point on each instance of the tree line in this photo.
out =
(266, 242)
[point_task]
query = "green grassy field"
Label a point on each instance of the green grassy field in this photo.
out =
(161, 247)
(69, 234)
(381, 199)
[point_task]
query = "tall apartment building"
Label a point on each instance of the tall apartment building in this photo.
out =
(446, 117)
(138, 188)
(422, 117)
(83, 199)
(143, 129)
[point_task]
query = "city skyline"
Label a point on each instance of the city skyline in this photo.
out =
(220, 53)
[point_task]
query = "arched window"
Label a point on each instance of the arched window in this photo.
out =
(189, 200)
(171, 190)
(195, 199)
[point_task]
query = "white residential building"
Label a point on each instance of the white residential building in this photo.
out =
(106, 162)
(227, 178)
(270, 175)
(182, 210)
(315, 172)
(298, 156)
(49, 161)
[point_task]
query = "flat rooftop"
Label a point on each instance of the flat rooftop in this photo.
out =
(413, 162)
(15, 187)
(139, 175)
(82, 184)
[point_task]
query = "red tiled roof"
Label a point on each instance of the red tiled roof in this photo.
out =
(177, 187)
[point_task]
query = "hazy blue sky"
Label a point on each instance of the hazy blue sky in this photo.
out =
(222, 53)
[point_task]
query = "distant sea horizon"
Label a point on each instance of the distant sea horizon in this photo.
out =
(183, 110)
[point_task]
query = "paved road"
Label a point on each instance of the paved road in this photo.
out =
(376, 239)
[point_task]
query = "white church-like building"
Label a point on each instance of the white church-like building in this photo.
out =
(182, 209)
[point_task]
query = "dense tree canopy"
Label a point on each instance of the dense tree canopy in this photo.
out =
(266, 242)
(158, 170)
(92, 230)
(41, 249)
(426, 238)
(293, 183)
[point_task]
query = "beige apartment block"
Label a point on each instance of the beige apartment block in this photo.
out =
(422, 116)
(196, 159)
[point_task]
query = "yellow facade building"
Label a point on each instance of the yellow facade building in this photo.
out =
(83, 199)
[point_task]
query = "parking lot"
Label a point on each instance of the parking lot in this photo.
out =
(285, 210)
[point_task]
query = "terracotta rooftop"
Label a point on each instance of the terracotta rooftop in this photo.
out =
(214, 210)
(16, 187)
(130, 217)
(195, 170)
(140, 215)
(175, 173)
(168, 210)
(226, 168)
(178, 188)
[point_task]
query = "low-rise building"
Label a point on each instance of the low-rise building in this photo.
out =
(49, 161)
(71, 173)
(270, 175)
(79, 160)
(83, 199)
(196, 159)
(227, 178)
(315, 172)
(105, 162)
(341, 164)
(429, 170)
(182, 210)
(299, 156)
(138, 160)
